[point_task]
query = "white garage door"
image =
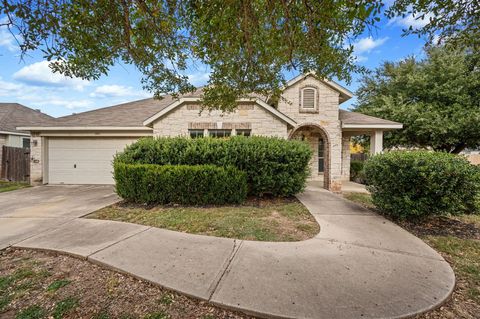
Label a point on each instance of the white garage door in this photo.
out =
(83, 160)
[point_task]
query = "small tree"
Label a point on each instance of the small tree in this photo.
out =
(437, 99)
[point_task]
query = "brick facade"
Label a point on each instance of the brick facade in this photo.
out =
(250, 116)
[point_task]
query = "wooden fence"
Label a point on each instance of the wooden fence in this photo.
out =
(15, 164)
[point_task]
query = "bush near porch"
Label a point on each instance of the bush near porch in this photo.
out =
(273, 166)
(414, 184)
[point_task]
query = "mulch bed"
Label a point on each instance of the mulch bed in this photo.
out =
(442, 226)
(101, 293)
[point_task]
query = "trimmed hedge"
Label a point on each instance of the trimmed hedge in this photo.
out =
(412, 184)
(180, 184)
(273, 165)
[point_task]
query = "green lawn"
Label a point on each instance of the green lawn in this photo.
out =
(457, 239)
(264, 220)
(6, 186)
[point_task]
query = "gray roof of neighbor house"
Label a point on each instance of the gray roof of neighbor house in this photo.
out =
(13, 115)
(348, 117)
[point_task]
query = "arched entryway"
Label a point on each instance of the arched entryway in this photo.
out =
(319, 141)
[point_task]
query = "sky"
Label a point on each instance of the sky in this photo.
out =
(30, 82)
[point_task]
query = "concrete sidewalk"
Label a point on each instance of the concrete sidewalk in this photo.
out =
(359, 265)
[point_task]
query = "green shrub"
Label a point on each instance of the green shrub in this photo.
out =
(181, 184)
(412, 184)
(357, 172)
(273, 165)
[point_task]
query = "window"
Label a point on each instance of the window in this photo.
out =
(321, 155)
(309, 100)
(196, 133)
(219, 133)
(243, 132)
(26, 143)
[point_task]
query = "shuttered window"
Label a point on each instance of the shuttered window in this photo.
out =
(308, 98)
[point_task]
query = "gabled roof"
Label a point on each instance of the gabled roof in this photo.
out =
(358, 120)
(13, 115)
(268, 108)
(345, 94)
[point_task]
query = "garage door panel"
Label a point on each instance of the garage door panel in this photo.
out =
(83, 160)
(72, 155)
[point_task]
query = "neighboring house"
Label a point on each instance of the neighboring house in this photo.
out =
(13, 115)
(78, 149)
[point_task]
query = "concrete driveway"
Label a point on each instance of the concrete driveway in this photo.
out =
(359, 265)
(28, 212)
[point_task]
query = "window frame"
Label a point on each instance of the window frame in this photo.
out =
(199, 133)
(243, 131)
(229, 131)
(24, 140)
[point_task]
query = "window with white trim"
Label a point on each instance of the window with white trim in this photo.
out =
(196, 133)
(219, 133)
(243, 132)
(309, 98)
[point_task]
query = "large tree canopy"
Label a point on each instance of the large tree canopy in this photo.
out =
(248, 45)
(457, 21)
(437, 99)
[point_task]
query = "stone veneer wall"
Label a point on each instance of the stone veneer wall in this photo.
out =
(36, 159)
(326, 118)
(247, 116)
(346, 158)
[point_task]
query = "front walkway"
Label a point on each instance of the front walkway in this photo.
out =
(359, 265)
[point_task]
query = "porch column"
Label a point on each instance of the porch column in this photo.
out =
(376, 142)
(346, 157)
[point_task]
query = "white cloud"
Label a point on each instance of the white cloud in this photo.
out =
(69, 104)
(9, 88)
(417, 22)
(199, 78)
(114, 90)
(7, 40)
(368, 44)
(40, 74)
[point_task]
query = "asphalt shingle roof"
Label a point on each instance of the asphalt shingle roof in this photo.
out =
(131, 114)
(13, 115)
(348, 117)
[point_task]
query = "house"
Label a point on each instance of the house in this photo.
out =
(13, 115)
(78, 149)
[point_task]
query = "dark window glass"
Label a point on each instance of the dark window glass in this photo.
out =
(321, 156)
(219, 133)
(26, 143)
(244, 132)
(196, 133)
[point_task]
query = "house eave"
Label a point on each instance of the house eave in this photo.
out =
(14, 133)
(83, 128)
(372, 126)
